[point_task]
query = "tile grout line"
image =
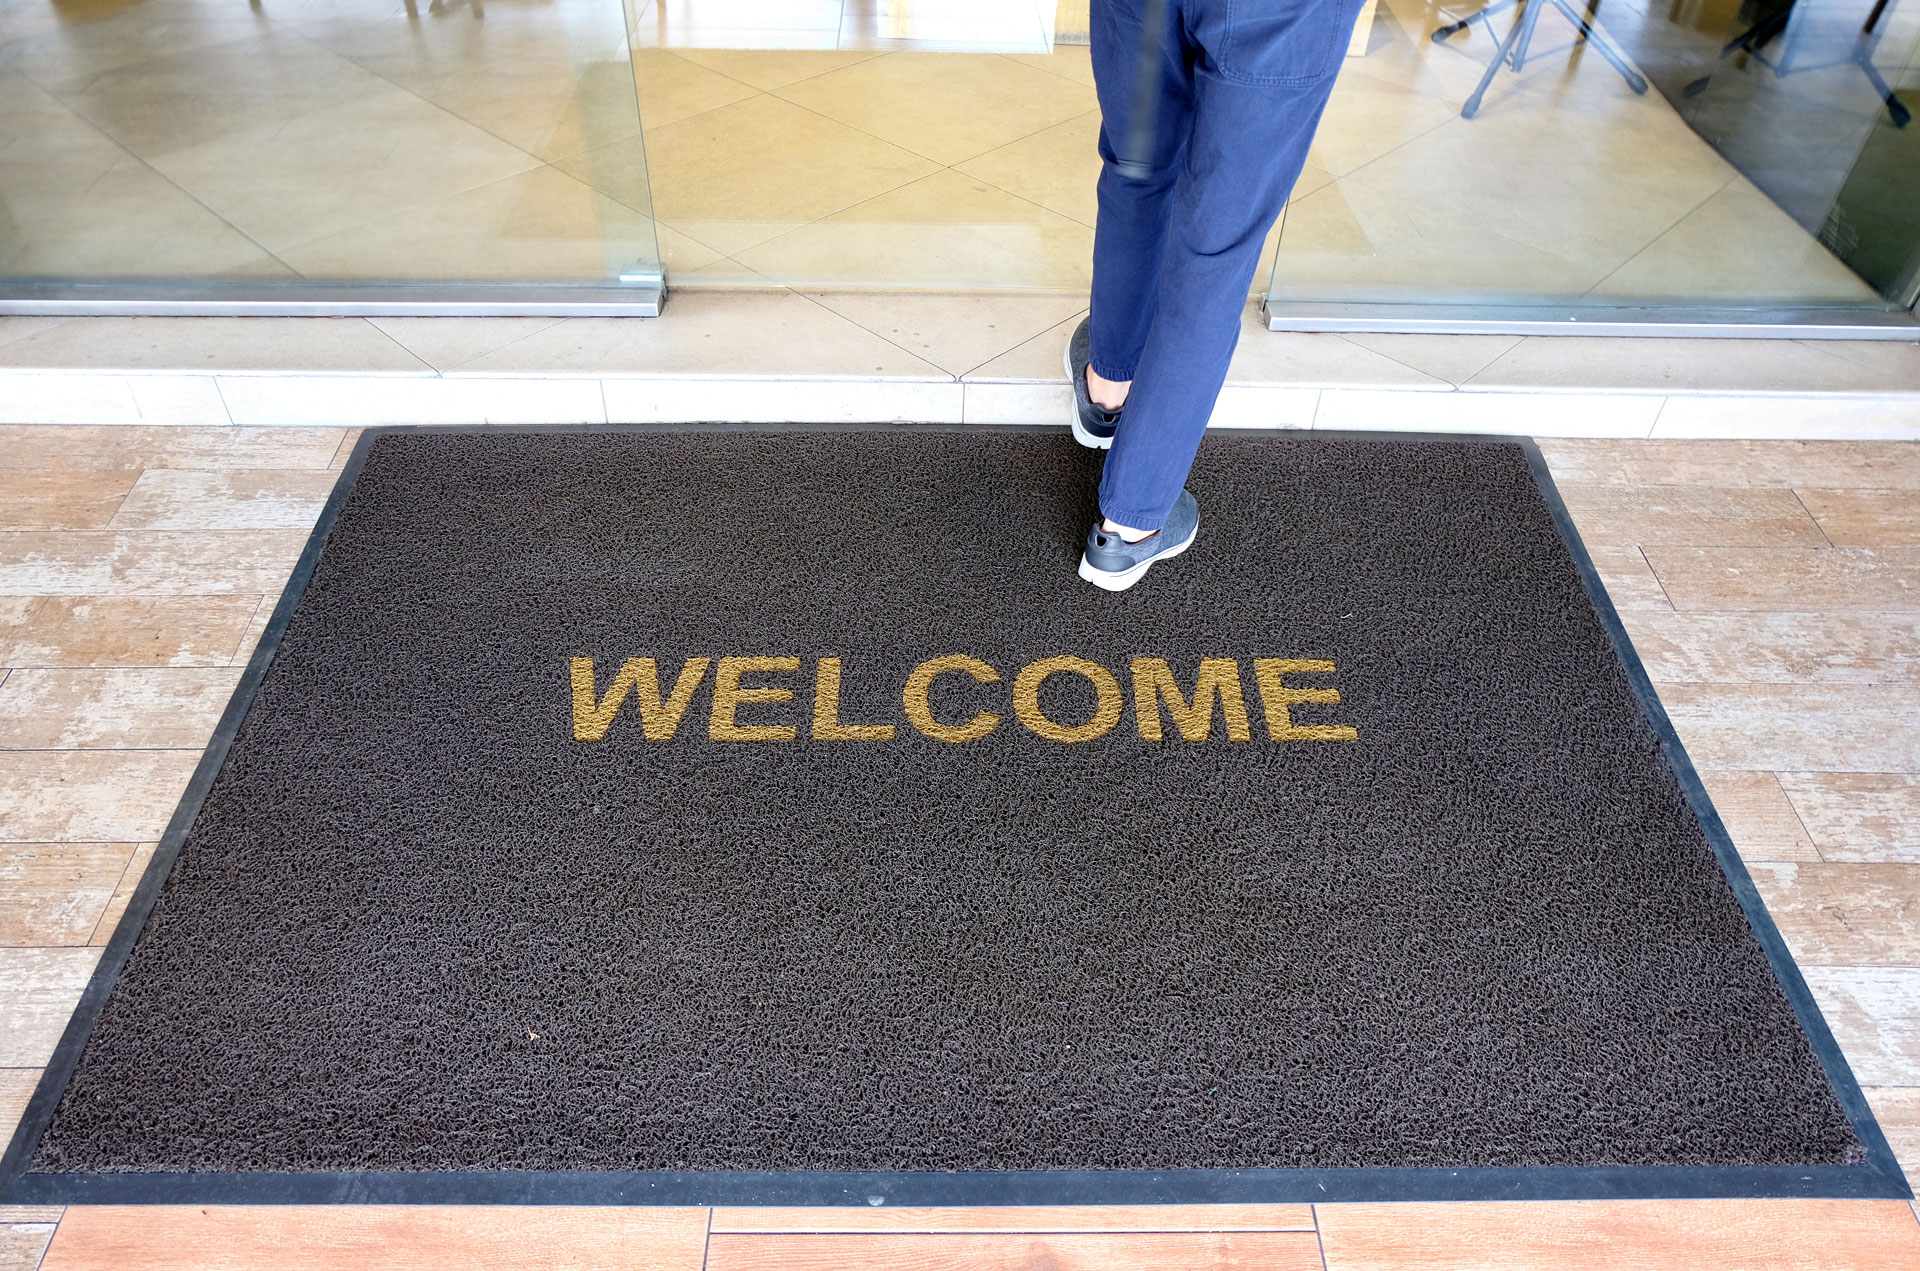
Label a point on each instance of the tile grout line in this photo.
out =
(55, 321)
(941, 166)
(1049, 54)
(944, 166)
(873, 55)
(938, 168)
(950, 377)
(963, 376)
(1651, 243)
(1438, 379)
(1892, 383)
(442, 373)
(1043, 207)
(450, 113)
(142, 161)
(389, 337)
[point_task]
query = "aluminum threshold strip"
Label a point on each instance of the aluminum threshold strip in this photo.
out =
(638, 299)
(1696, 323)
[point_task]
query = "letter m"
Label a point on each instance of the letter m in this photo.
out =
(1218, 679)
(593, 715)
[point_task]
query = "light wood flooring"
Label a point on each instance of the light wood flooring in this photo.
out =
(1773, 589)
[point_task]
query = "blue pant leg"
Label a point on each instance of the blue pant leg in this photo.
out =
(1130, 234)
(1247, 145)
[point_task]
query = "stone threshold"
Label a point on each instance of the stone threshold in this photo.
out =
(787, 357)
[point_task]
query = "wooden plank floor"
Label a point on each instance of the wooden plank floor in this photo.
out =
(1772, 587)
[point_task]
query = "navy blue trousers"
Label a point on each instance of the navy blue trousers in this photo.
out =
(1241, 87)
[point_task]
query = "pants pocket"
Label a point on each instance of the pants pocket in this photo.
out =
(1284, 43)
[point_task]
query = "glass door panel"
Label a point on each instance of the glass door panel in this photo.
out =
(303, 145)
(1692, 153)
(885, 143)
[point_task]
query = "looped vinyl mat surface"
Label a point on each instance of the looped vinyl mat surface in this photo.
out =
(734, 800)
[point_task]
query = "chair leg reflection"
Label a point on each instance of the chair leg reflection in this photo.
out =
(1749, 43)
(1512, 51)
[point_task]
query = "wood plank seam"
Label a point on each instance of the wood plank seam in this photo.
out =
(118, 884)
(1658, 581)
(1795, 491)
(53, 1235)
(1799, 820)
(242, 651)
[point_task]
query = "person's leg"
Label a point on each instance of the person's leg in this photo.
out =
(1130, 232)
(1260, 89)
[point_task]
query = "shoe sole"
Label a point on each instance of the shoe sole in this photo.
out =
(1121, 580)
(1080, 433)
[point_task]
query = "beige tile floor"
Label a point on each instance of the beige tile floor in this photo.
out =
(1773, 589)
(811, 144)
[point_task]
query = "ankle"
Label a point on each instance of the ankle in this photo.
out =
(1126, 532)
(1108, 395)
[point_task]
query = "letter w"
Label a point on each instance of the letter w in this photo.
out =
(1218, 678)
(658, 720)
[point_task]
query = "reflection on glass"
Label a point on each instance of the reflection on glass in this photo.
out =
(425, 140)
(946, 143)
(1765, 166)
(1005, 26)
(893, 143)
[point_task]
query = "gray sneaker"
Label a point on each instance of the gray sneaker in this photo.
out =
(1092, 427)
(1115, 564)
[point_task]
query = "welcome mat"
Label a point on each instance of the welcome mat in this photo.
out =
(732, 815)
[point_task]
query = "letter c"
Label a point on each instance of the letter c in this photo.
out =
(914, 699)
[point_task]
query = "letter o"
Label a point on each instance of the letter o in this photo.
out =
(1026, 699)
(913, 698)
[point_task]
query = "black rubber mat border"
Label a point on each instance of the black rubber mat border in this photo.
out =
(1879, 1177)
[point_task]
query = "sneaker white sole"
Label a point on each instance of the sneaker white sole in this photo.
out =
(1120, 580)
(1080, 433)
